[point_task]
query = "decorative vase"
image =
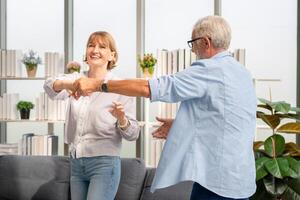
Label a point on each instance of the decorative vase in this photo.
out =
(24, 113)
(31, 70)
(147, 73)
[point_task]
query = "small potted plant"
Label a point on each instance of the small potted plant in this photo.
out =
(24, 108)
(31, 61)
(147, 64)
(73, 66)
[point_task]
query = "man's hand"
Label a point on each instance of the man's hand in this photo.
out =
(163, 131)
(85, 86)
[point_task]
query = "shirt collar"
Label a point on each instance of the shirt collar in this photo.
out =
(221, 54)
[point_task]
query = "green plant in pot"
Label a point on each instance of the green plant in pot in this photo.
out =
(24, 107)
(277, 162)
(147, 63)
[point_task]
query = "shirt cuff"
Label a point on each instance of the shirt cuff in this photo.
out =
(154, 88)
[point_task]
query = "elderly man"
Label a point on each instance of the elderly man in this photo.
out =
(210, 140)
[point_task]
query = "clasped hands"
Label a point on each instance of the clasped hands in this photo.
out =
(85, 86)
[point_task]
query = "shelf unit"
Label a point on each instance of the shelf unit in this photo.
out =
(50, 123)
(22, 78)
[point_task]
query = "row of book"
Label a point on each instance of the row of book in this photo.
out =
(39, 145)
(54, 64)
(11, 63)
(45, 108)
(9, 149)
(48, 109)
(8, 106)
(240, 55)
(31, 144)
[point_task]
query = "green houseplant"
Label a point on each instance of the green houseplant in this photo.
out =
(31, 60)
(24, 107)
(147, 64)
(277, 162)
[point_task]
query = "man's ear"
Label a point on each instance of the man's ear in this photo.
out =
(207, 43)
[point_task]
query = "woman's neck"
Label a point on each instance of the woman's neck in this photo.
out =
(97, 72)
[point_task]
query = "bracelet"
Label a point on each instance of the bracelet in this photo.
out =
(124, 126)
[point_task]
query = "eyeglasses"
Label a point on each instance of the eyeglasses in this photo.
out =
(190, 42)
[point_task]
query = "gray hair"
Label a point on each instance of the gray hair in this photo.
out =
(216, 28)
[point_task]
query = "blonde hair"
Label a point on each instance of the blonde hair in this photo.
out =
(109, 40)
(216, 28)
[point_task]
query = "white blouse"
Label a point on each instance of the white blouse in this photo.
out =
(90, 129)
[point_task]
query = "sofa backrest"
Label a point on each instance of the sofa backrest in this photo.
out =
(133, 172)
(48, 178)
(34, 177)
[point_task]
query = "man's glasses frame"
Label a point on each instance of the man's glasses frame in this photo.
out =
(190, 42)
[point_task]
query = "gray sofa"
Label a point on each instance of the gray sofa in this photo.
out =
(47, 178)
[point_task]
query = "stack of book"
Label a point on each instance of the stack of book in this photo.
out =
(42, 145)
(10, 63)
(9, 149)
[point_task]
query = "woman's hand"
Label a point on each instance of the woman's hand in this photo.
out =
(118, 112)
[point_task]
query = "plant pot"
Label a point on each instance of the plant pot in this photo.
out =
(147, 73)
(25, 114)
(31, 70)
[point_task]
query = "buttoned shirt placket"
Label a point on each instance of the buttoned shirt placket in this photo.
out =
(79, 138)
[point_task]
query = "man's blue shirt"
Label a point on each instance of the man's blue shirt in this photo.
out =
(211, 139)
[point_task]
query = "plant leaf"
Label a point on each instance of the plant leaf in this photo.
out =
(261, 192)
(274, 145)
(294, 166)
(265, 101)
(272, 120)
(257, 144)
(291, 147)
(292, 127)
(289, 115)
(275, 186)
(281, 106)
(293, 190)
(260, 169)
(296, 109)
(278, 167)
(265, 106)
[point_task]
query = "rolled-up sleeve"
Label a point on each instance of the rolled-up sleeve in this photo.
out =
(64, 94)
(131, 133)
(187, 84)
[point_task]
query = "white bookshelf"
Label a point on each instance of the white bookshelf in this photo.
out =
(23, 78)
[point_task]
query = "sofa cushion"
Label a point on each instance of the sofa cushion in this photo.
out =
(180, 191)
(133, 172)
(34, 177)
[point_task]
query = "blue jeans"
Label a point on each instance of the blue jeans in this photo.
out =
(95, 178)
(201, 193)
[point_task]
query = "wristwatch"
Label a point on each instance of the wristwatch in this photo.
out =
(104, 87)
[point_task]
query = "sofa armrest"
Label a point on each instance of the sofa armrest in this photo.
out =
(34, 177)
(180, 191)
